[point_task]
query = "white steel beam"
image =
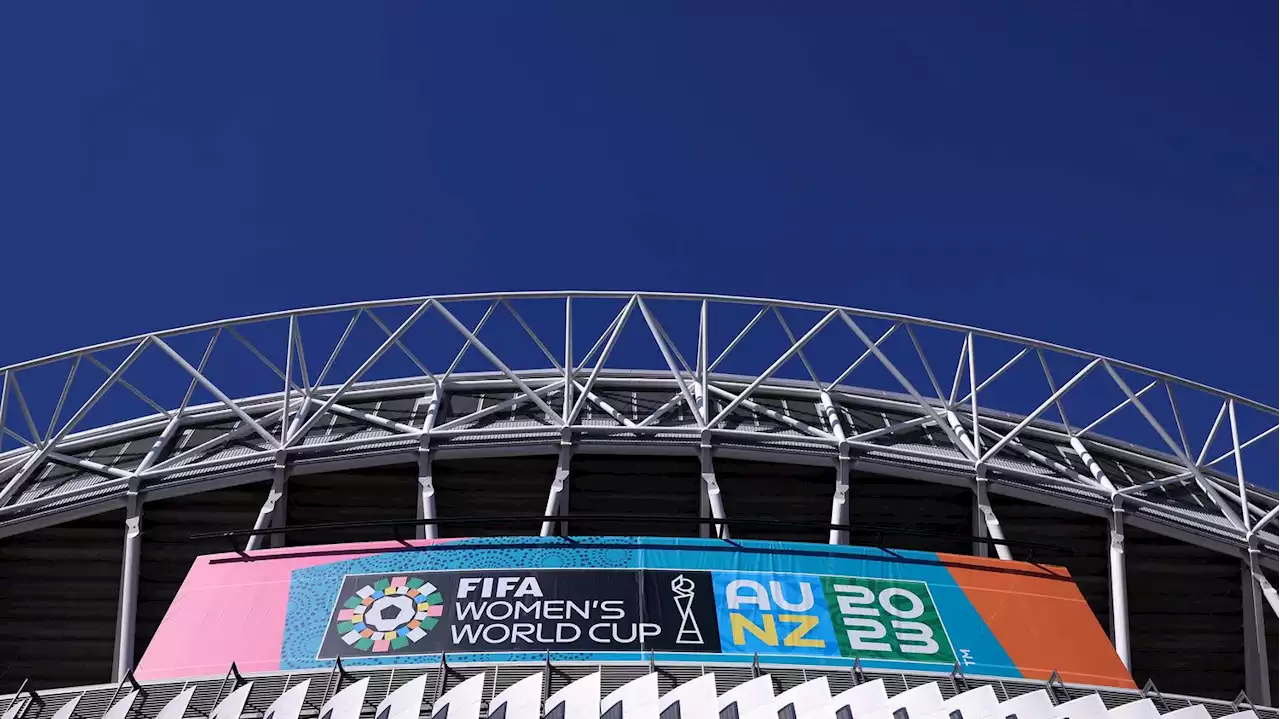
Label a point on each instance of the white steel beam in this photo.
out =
(840, 497)
(742, 333)
(777, 364)
(1208, 487)
(212, 389)
(426, 476)
(1053, 398)
(988, 517)
(51, 441)
(557, 498)
(497, 362)
(268, 516)
(1119, 590)
(604, 357)
(392, 338)
(1256, 653)
(671, 365)
(426, 495)
(906, 384)
(772, 414)
(708, 472)
(127, 607)
(567, 404)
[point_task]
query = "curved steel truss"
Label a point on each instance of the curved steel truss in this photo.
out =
(196, 408)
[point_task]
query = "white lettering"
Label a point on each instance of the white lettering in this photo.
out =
(806, 597)
(612, 609)
(500, 637)
(465, 634)
(522, 632)
(553, 609)
(529, 588)
(470, 608)
(499, 611)
(506, 584)
(466, 585)
(915, 607)
(583, 611)
(758, 597)
(863, 630)
(915, 637)
(566, 633)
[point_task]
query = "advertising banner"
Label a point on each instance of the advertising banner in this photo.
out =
(629, 598)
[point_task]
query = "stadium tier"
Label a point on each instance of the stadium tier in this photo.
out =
(611, 504)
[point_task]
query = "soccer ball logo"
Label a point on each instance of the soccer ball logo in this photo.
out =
(391, 613)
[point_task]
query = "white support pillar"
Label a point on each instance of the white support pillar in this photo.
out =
(1257, 671)
(987, 515)
(840, 498)
(979, 528)
(426, 483)
(426, 494)
(268, 516)
(1119, 590)
(714, 501)
(127, 608)
(704, 510)
(558, 497)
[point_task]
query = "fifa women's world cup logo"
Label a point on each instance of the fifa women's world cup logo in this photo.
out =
(389, 614)
(682, 590)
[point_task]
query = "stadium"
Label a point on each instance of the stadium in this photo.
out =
(584, 504)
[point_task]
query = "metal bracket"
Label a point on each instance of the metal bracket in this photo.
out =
(755, 665)
(958, 678)
(35, 699)
(330, 688)
(855, 672)
(128, 678)
(1055, 682)
(442, 679)
(546, 676)
(232, 671)
(1150, 688)
(1237, 703)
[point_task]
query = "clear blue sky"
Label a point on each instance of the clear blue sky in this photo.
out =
(1100, 174)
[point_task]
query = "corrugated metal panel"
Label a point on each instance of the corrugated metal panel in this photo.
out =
(1183, 597)
(788, 492)
(78, 563)
(642, 485)
(372, 494)
(492, 487)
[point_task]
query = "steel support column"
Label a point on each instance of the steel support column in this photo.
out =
(986, 517)
(426, 482)
(558, 497)
(267, 516)
(978, 527)
(839, 498)
(1257, 672)
(426, 495)
(127, 608)
(714, 501)
(1119, 590)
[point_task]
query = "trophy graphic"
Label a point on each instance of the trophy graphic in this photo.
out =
(682, 590)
